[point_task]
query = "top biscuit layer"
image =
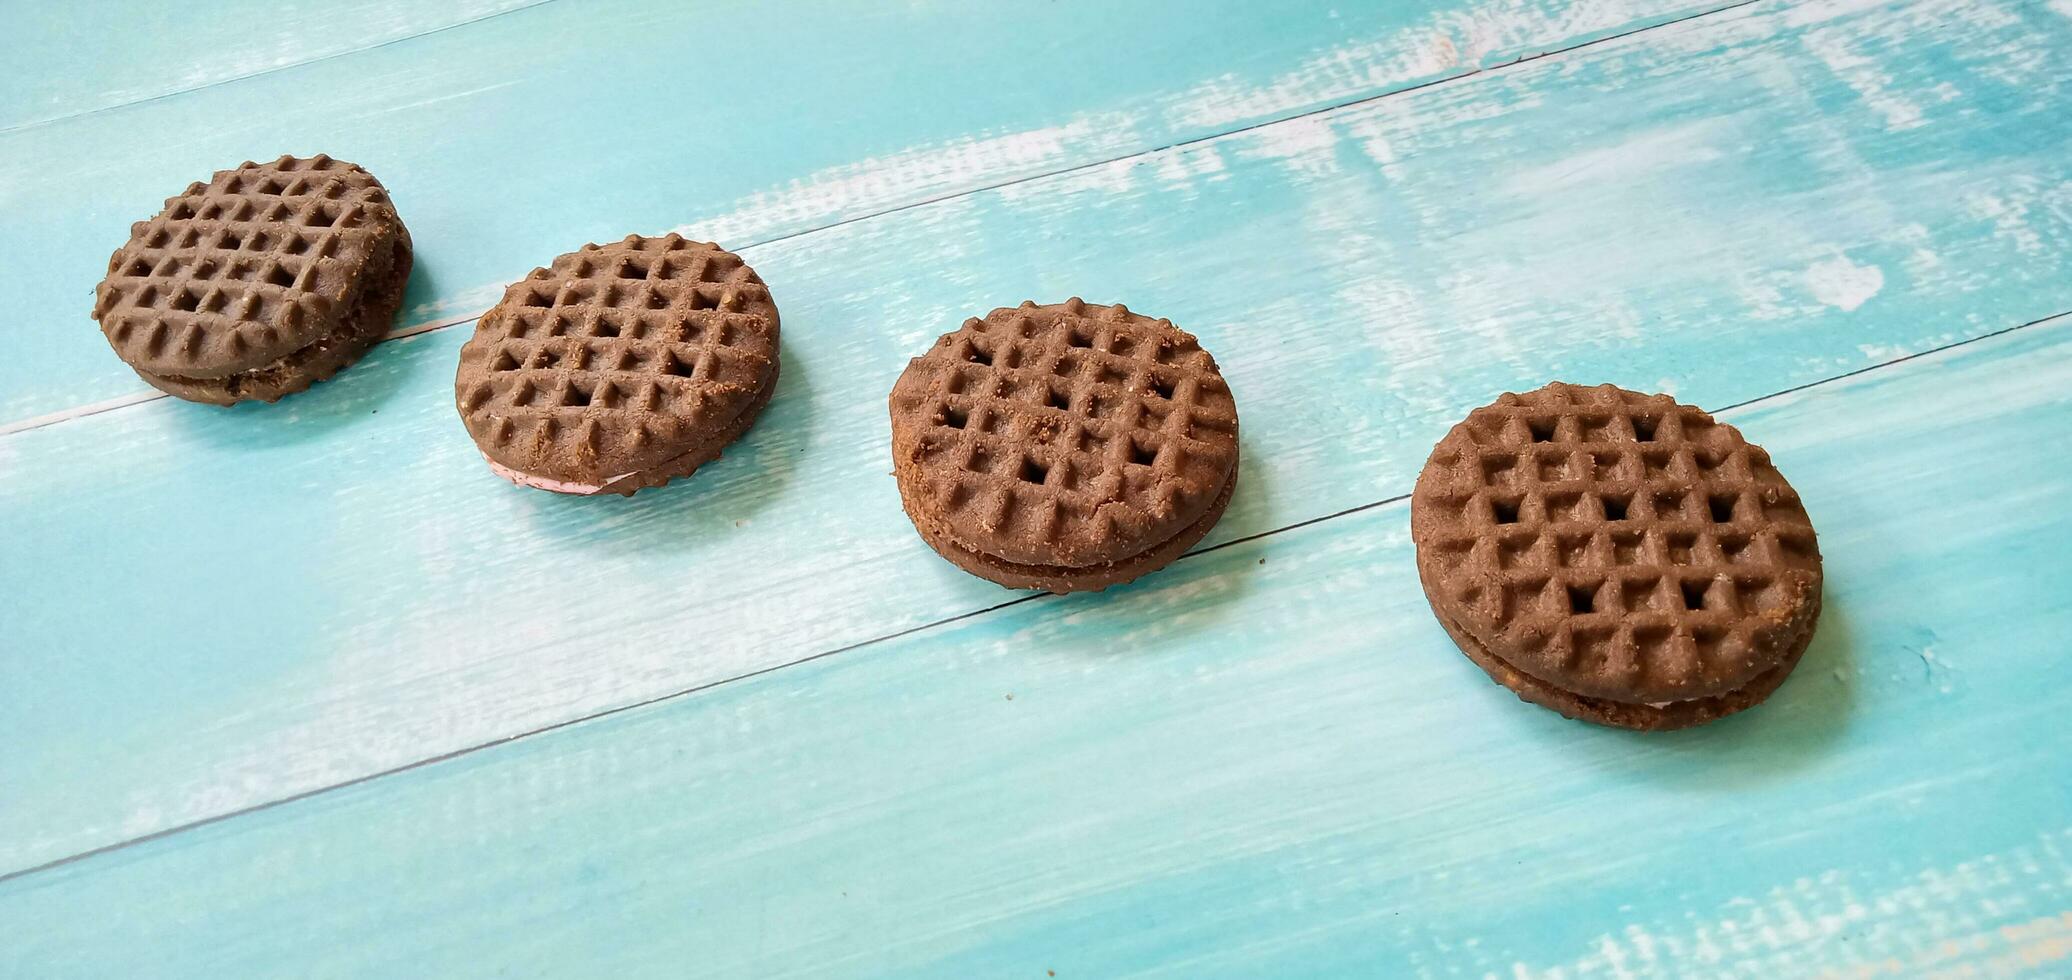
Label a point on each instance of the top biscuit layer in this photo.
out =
(1615, 545)
(618, 358)
(238, 273)
(1066, 435)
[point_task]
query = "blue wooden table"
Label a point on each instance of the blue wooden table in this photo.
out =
(304, 690)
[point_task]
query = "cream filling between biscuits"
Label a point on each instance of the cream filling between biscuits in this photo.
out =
(547, 483)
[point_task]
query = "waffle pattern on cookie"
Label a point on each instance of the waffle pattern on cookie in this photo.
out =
(1615, 544)
(1065, 435)
(240, 272)
(617, 358)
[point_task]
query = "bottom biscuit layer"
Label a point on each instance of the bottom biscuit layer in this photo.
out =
(1059, 578)
(373, 312)
(1621, 714)
(680, 465)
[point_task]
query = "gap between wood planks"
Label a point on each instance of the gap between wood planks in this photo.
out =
(37, 123)
(899, 634)
(144, 397)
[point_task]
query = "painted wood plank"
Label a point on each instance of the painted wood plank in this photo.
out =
(1268, 761)
(516, 138)
(67, 59)
(338, 587)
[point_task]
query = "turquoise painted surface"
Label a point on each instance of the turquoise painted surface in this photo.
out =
(1364, 276)
(522, 136)
(1268, 760)
(65, 59)
(1276, 765)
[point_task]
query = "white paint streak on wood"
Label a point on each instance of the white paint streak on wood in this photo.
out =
(1653, 155)
(1819, 11)
(1863, 74)
(1306, 144)
(389, 22)
(869, 185)
(1453, 42)
(1843, 284)
(1831, 925)
(2010, 218)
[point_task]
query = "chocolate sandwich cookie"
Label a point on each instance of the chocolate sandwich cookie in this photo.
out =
(1617, 557)
(619, 366)
(263, 281)
(1067, 447)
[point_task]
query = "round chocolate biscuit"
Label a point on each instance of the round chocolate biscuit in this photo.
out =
(619, 366)
(259, 283)
(1615, 556)
(1064, 447)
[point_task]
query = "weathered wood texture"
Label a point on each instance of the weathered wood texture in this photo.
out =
(336, 586)
(1232, 767)
(1267, 761)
